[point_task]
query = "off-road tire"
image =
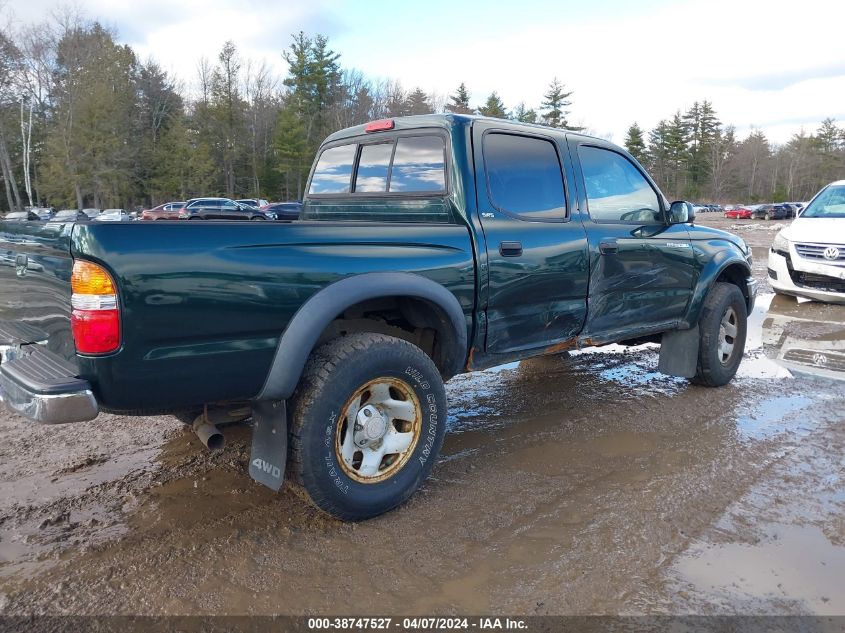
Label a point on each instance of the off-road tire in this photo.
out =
(332, 375)
(711, 371)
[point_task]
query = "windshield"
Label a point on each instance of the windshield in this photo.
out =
(830, 203)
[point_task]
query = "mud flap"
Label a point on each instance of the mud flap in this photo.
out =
(269, 443)
(679, 353)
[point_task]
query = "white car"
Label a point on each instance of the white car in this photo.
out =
(114, 215)
(807, 258)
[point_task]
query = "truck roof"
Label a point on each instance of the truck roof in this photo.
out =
(447, 121)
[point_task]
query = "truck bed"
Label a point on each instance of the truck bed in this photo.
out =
(203, 304)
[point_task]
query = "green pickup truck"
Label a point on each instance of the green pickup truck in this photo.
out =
(427, 247)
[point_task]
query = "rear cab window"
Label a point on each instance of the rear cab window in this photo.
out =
(395, 177)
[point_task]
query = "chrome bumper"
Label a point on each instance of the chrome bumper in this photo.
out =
(42, 402)
(60, 408)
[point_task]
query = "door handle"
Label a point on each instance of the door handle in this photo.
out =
(608, 247)
(510, 249)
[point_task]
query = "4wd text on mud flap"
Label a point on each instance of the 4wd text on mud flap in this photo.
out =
(267, 467)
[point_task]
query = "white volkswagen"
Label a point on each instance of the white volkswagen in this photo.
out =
(807, 258)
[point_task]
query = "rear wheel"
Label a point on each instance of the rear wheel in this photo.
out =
(368, 420)
(722, 330)
(768, 216)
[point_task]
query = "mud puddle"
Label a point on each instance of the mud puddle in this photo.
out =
(791, 564)
(779, 548)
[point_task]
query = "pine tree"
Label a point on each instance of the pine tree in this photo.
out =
(418, 102)
(702, 126)
(314, 79)
(659, 155)
(524, 116)
(293, 152)
(460, 101)
(635, 143)
(555, 102)
(494, 107)
(828, 141)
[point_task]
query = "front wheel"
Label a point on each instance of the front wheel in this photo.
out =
(722, 330)
(368, 420)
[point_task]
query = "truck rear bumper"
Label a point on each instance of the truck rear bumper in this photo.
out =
(41, 386)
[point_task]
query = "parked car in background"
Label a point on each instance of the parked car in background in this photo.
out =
(739, 212)
(219, 209)
(799, 206)
(254, 202)
(770, 212)
(807, 258)
(70, 215)
(43, 213)
(786, 208)
(283, 210)
(114, 215)
(22, 216)
(166, 211)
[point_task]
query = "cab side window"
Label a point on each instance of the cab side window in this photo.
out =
(616, 190)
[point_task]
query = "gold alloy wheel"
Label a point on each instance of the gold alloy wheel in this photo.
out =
(377, 430)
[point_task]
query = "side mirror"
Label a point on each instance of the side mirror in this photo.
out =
(681, 212)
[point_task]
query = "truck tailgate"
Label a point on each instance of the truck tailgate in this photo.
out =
(35, 285)
(38, 368)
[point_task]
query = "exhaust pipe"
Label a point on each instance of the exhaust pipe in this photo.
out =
(209, 434)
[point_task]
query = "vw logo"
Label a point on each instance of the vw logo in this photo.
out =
(831, 252)
(820, 360)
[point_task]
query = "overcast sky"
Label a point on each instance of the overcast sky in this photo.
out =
(770, 64)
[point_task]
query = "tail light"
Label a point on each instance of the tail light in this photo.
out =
(95, 319)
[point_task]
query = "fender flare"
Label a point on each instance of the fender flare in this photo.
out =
(708, 277)
(302, 333)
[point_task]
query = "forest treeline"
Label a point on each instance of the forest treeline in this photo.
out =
(85, 122)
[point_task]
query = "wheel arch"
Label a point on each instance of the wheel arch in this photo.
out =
(426, 300)
(728, 267)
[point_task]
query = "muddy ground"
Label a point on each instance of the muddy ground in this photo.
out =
(588, 484)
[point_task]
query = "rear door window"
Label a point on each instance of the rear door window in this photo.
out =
(524, 176)
(333, 173)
